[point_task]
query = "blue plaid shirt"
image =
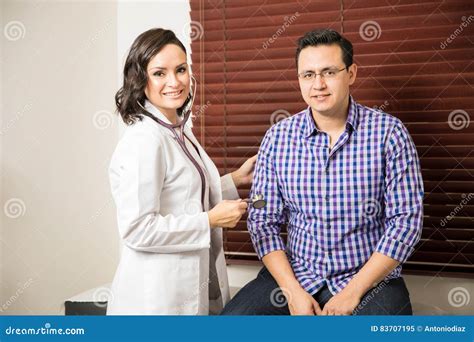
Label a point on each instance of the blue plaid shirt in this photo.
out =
(341, 205)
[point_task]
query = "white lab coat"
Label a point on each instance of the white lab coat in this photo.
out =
(172, 262)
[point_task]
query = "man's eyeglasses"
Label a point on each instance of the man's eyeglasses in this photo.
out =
(325, 74)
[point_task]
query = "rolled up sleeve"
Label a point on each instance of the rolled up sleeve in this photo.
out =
(403, 196)
(264, 224)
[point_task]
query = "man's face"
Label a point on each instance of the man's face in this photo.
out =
(328, 95)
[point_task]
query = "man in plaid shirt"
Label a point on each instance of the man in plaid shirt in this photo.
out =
(346, 178)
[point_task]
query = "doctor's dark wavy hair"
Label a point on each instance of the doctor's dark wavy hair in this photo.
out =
(135, 77)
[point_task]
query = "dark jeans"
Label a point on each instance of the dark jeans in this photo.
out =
(262, 296)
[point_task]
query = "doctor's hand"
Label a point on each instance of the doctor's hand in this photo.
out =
(301, 302)
(227, 214)
(244, 174)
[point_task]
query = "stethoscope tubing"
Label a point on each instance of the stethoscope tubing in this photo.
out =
(180, 139)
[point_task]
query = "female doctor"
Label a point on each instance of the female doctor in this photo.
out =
(170, 199)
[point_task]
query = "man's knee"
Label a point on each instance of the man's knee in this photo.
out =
(255, 298)
(234, 308)
(389, 297)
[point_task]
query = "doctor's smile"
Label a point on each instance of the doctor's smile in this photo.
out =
(158, 166)
(168, 80)
(174, 94)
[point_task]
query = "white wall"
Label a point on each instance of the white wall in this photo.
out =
(61, 64)
(58, 132)
(1, 157)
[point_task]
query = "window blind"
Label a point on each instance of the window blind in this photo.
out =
(415, 61)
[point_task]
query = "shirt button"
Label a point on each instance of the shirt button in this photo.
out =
(328, 226)
(326, 197)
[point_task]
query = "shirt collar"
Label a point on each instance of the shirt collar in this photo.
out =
(352, 119)
(309, 124)
(353, 115)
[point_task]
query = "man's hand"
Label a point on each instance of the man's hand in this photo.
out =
(375, 270)
(301, 302)
(342, 303)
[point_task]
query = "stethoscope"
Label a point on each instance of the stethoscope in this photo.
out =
(257, 201)
(181, 136)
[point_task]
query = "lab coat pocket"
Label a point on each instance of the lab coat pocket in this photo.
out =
(174, 280)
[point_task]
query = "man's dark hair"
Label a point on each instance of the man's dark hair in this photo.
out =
(326, 37)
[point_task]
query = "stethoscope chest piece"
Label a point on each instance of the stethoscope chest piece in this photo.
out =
(257, 201)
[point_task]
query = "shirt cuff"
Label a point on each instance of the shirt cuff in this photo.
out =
(394, 249)
(268, 244)
(229, 191)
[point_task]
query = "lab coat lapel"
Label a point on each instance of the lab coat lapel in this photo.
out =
(215, 194)
(219, 283)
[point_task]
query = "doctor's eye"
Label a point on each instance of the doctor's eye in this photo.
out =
(181, 70)
(159, 73)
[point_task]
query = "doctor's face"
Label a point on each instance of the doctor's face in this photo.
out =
(328, 94)
(168, 79)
